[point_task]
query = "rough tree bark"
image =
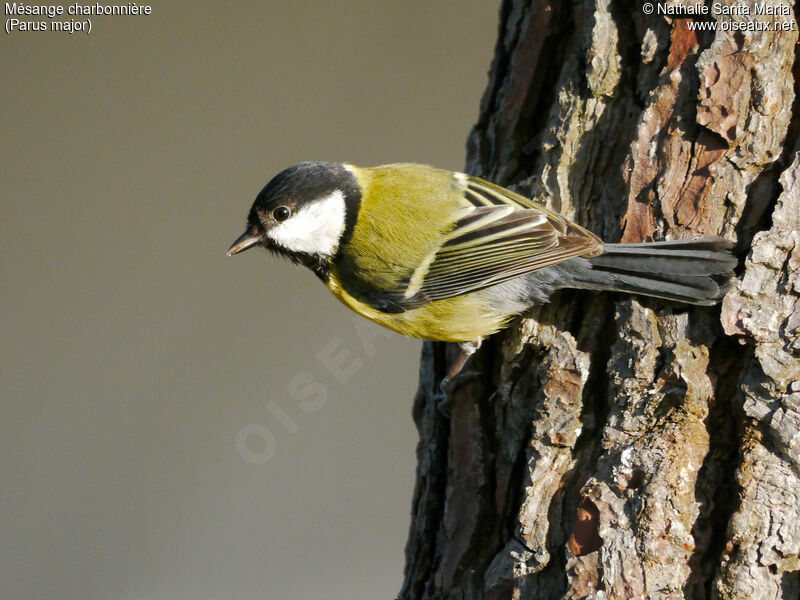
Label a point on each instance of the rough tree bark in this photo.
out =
(622, 447)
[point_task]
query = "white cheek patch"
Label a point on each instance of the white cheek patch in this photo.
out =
(314, 229)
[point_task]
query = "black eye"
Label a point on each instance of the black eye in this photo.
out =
(281, 213)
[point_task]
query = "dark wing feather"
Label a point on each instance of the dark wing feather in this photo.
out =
(505, 245)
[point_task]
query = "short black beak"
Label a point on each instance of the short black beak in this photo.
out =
(243, 242)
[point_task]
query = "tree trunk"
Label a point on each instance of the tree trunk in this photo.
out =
(621, 447)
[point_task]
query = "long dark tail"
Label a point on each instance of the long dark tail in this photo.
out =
(696, 271)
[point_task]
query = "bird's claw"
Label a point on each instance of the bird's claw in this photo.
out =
(448, 388)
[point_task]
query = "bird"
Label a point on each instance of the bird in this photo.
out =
(445, 256)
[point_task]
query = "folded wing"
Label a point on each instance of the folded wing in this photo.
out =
(499, 237)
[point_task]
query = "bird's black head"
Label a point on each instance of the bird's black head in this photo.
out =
(304, 213)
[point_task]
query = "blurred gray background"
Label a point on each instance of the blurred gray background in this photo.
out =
(150, 444)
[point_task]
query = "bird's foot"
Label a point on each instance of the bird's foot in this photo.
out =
(448, 388)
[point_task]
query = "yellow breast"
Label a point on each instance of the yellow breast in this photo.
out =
(459, 319)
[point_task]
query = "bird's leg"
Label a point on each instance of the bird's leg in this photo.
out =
(456, 376)
(467, 350)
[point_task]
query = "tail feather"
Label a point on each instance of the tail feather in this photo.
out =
(694, 271)
(705, 256)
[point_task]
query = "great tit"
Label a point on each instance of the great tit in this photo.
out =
(439, 255)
